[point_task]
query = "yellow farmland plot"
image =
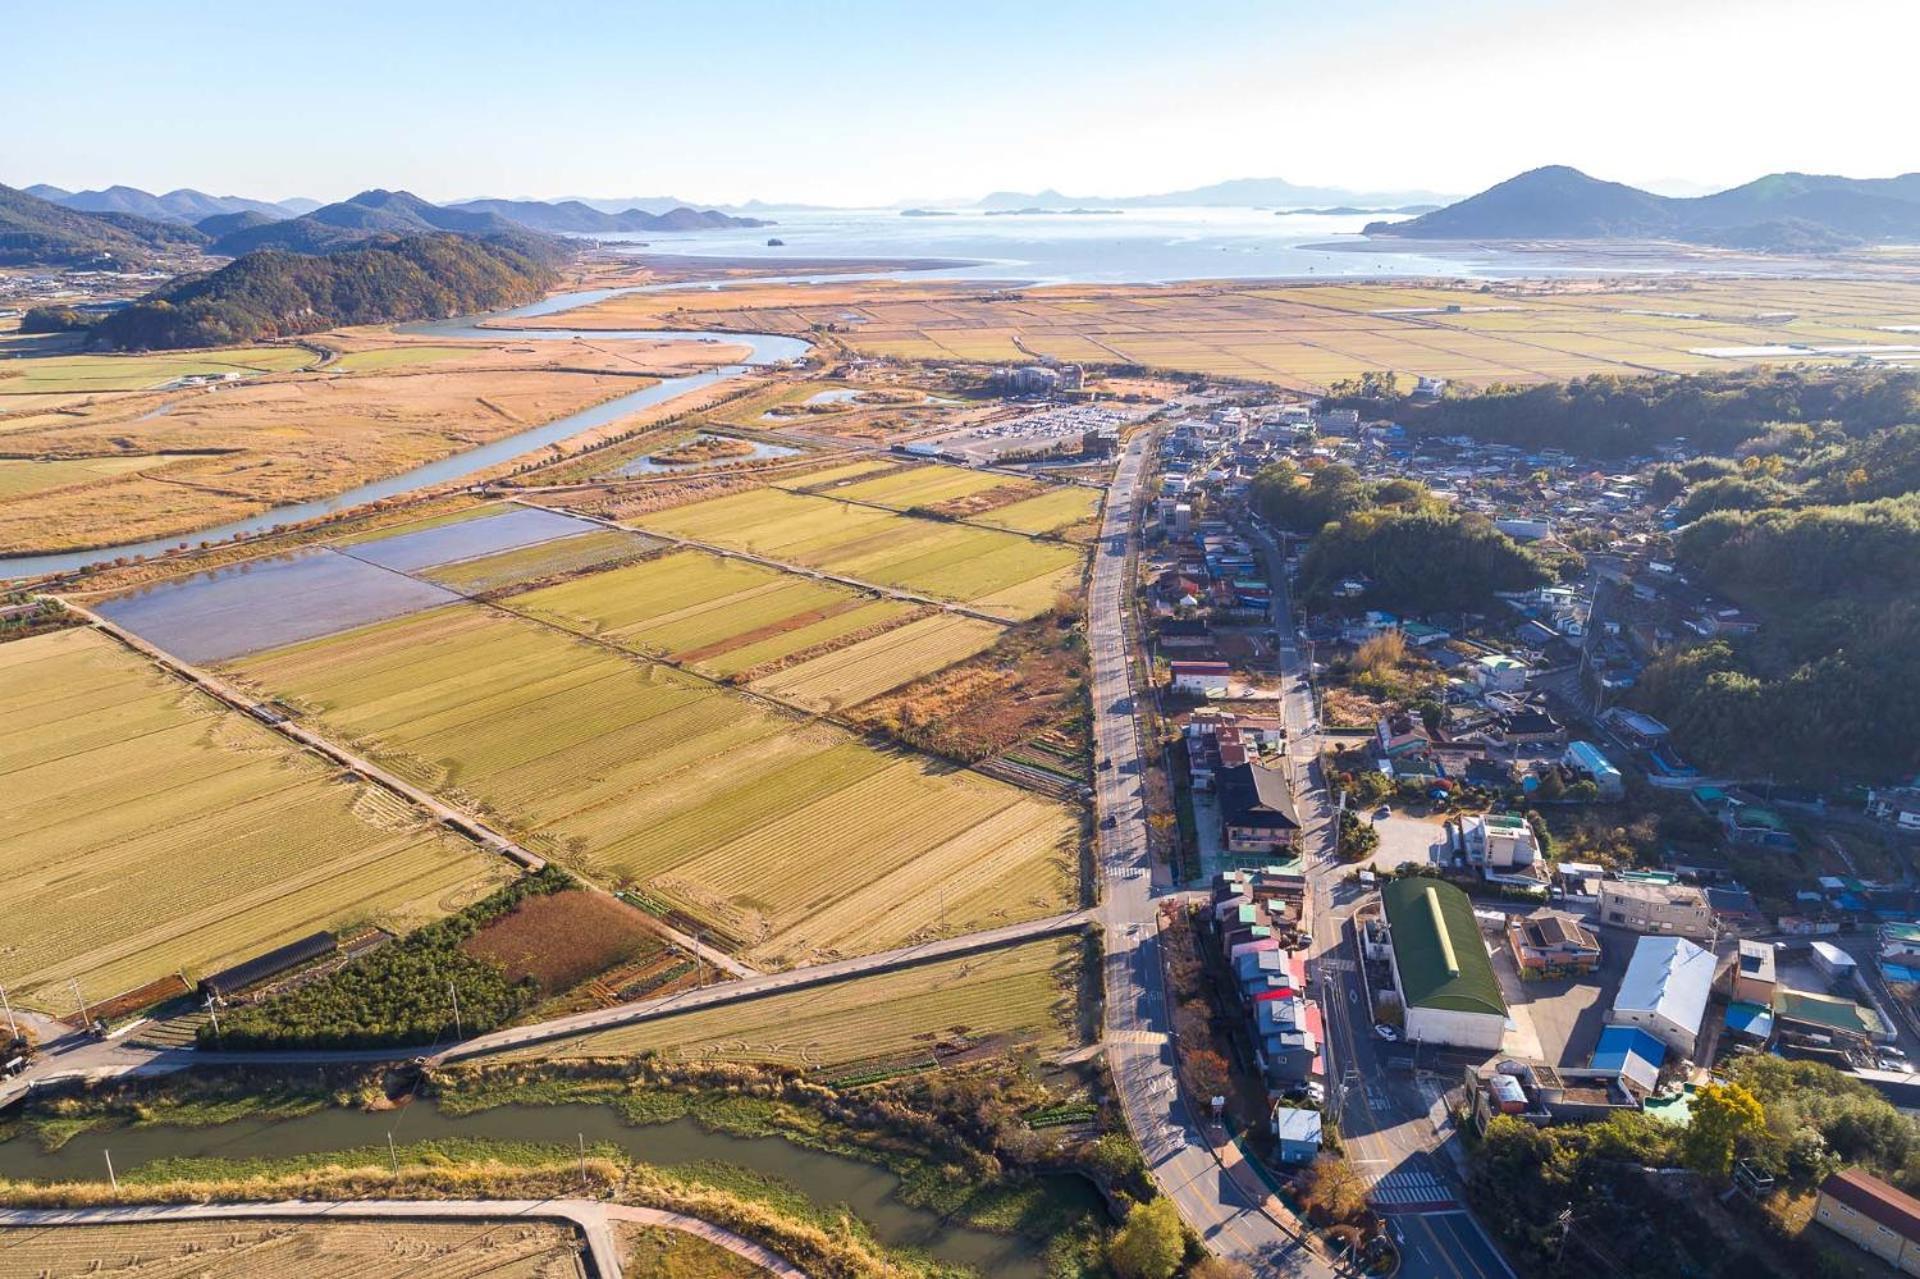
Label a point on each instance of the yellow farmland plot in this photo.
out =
(1003, 573)
(721, 615)
(791, 839)
(1023, 992)
(1055, 509)
(851, 675)
(151, 831)
(924, 486)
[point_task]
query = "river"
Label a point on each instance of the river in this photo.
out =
(763, 349)
(867, 1190)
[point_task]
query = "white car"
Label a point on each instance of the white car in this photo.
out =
(1386, 1032)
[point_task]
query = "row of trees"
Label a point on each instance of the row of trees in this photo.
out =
(402, 993)
(273, 294)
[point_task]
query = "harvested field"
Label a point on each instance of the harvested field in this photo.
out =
(383, 358)
(1308, 336)
(1023, 994)
(251, 1248)
(997, 572)
(561, 939)
(639, 774)
(851, 675)
(721, 615)
(924, 486)
(20, 477)
(152, 831)
(828, 477)
(575, 554)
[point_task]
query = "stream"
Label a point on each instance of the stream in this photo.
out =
(867, 1190)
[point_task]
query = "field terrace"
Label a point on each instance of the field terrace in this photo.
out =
(155, 833)
(790, 840)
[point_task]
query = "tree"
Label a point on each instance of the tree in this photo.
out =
(1151, 1243)
(1723, 1116)
(1333, 1192)
(1211, 1267)
(1207, 1073)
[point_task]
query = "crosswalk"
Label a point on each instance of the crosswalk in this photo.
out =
(1409, 1188)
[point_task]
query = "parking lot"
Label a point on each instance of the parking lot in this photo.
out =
(1405, 839)
(1565, 1016)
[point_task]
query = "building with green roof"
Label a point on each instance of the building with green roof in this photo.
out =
(1440, 966)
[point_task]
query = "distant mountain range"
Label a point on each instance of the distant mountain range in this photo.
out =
(37, 232)
(1782, 212)
(1238, 193)
(184, 205)
(577, 217)
(361, 217)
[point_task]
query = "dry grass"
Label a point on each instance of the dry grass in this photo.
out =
(152, 831)
(251, 1248)
(561, 939)
(652, 1252)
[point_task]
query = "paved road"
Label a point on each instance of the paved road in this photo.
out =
(1227, 1212)
(1393, 1122)
(592, 1218)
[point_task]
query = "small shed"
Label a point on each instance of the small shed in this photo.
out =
(1297, 1133)
(1633, 1053)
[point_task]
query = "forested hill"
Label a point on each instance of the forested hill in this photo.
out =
(273, 294)
(365, 216)
(36, 232)
(1782, 212)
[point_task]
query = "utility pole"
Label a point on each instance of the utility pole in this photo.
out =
(393, 1156)
(110, 1176)
(699, 961)
(458, 1033)
(215, 1014)
(86, 1023)
(583, 1158)
(13, 1027)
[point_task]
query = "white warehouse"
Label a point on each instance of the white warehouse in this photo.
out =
(1665, 991)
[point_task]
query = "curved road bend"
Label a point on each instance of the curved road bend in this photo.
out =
(591, 1217)
(1230, 1216)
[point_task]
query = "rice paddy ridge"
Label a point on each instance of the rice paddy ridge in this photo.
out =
(459, 821)
(777, 704)
(822, 575)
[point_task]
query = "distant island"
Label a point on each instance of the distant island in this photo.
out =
(1036, 211)
(1780, 213)
(927, 213)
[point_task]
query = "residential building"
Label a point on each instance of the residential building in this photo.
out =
(1200, 679)
(1498, 673)
(1586, 759)
(1550, 944)
(1665, 991)
(1870, 1214)
(1653, 907)
(1447, 987)
(1401, 733)
(1756, 827)
(1896, 805)
(1631, 1053)
(1499, 841)
(1807, 1013)
(1297, 1134)
(1751, 978)
(1642, 732)
(1258, 815)
(1834, 964)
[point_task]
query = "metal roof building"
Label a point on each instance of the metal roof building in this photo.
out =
(1665, 991)
(1440, 965)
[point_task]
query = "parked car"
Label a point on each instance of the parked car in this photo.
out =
(1386, 1032)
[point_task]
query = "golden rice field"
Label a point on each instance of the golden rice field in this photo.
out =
(925, 486)
(831, 476)
(251, 1248)
(793, 840)
(1001, 573)
(152, 831)
(720, 615)
(850, 675)
(380, 359)
(1026, 992)
(1053, 511)
(84, 373)
(542, 559)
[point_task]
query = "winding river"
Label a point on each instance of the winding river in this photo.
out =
(763, 349)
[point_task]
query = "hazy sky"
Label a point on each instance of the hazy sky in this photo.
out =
(850, 102)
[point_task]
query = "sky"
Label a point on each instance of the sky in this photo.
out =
(855, 102)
